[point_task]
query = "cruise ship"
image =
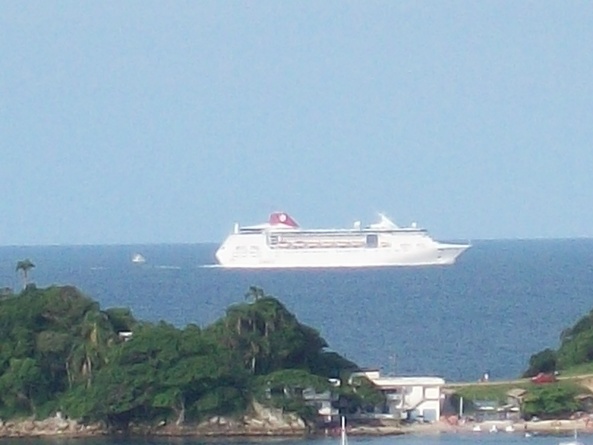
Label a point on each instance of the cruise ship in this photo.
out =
(281, 243)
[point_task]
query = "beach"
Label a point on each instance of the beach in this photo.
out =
(549, 427)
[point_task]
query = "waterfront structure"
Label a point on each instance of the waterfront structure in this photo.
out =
(516, 398)
(406, 398)
(281, 243)
(324, 402)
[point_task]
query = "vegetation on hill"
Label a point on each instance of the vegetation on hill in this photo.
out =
(574, 356)
(576, 349)
(545, 401)
(560, 399)
(61, 352)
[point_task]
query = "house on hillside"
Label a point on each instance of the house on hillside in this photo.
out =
(406, 398)
(585, 401)
(487, 410)
(325, 403)
(492, 410)
(516, 397)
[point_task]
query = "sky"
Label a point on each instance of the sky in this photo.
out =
(167, 122)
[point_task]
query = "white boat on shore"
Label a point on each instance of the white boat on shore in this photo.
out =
(282, 243)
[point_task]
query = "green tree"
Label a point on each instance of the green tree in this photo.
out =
(551, 401)
(360, 395)
(24, 266)
(95, 335)
(121, 319)
(543, 361)
(268, 337)
(576, 347)
(584, 324)
(59, 350)
(66, 336)
(286, 389)
(22, 385)
(254, 293)
(164, 372)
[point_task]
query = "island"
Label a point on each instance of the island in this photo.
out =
(71, 368)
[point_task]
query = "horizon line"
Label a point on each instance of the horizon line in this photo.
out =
(189, 243)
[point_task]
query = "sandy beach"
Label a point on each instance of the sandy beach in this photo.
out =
(561, 427)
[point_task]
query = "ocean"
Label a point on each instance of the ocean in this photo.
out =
(420, 439)
(501, 302)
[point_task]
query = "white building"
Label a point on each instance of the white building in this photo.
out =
(407, 397)
(324, 402)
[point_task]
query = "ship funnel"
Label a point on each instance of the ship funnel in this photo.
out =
(282, 219)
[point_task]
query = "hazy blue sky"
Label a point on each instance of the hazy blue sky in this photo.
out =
(159, 121)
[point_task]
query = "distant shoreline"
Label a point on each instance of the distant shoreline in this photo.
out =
(54, 427)
(544, 427)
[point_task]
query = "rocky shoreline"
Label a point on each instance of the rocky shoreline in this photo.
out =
(262, 422)
(214, 428)
(267, 423)
(54, 426)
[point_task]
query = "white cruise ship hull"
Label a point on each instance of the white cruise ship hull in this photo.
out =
(270, 246)
(344, 258)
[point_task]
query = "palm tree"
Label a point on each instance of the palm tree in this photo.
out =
(25, 266)
(255, 293)
(90, 349)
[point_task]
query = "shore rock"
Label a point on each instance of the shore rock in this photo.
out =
(52, 426)
(261, 421)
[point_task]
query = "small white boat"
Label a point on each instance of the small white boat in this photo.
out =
(493, 429)
(138, 259)
(477, 428)
(509, 429)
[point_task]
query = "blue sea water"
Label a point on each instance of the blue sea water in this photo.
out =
(420, 439)
(501, 302)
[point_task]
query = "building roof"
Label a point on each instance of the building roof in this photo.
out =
(486, 405)
(385, 382)
(516, 392)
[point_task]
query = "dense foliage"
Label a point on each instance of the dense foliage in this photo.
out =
(576, 348)
(545, 401)
(552, 401)
(544, 361)
(61, 352)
